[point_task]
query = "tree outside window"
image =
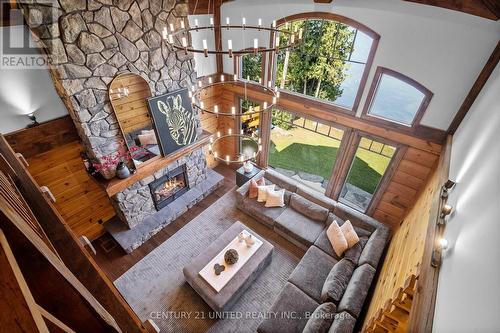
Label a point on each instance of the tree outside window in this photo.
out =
(328, 64)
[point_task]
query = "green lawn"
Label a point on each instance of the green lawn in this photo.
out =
(303, 150)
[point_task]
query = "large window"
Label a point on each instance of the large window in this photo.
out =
(368, 166)
(303, 149)
(396, 98)
(249, 66)
(329, 64)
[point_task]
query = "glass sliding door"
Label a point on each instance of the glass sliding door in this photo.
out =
(303, 149)
(370, 163)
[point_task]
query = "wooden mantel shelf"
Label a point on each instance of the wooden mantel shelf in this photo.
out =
(116, 185)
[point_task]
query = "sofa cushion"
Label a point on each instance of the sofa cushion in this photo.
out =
(357, 218)
(316, 197)
(281, 180)
(321, 319)
(337, 280)
(261, 213)
(354, 252)
(374, 248)
(308, 208)
(357, 289)
(343, 323)
(295, 226)
(324, 244)
(337, 239)
(291, 298)
(311, 272)
(359, 231)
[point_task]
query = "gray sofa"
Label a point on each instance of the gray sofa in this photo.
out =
(303, 221)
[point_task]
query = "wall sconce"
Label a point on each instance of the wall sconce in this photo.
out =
(31, 116)
(446, 210)
(437, 253)
(446, 188)
(443, 242)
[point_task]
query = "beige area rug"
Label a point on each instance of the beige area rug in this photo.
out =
(156, 289)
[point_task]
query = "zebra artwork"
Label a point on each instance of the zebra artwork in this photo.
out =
(180, 121)
(176, 124)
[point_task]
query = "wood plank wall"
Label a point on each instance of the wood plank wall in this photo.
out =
(405, 185)
(44, 137)
(209, 122)
(405, 252)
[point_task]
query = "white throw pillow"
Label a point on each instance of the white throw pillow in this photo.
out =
(275, 198)
(349, 233)
(337, 238)
(262, 197)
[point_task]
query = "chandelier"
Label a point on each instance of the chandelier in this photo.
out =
(281, 38)
(180, 39)
(267, 105)
(242, 158)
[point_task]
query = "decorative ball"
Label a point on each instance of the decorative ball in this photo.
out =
(231, 256)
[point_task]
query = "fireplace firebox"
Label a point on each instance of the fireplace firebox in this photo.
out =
(169, 187)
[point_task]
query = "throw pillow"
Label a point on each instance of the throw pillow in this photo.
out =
(321, 319)
(253, 192)
(308, 208)
(262, 196)
(275, 198)
(337, 281)
(147, 139)
(337, 238)
(349, 233)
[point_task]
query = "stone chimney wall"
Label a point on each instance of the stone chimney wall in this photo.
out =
(89, 42)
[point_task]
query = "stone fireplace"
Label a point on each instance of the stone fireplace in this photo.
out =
(137, 202)
(87, 44)
(169, 187)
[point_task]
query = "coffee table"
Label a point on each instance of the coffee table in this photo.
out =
(232, 290)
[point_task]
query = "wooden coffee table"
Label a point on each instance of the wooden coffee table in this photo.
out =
(237, 285)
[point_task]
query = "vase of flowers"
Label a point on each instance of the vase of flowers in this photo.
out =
(107, 164)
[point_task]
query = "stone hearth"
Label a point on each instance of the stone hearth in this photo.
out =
(130, 239)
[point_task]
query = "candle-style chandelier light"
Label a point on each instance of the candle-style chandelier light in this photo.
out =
(180, 39)
(268, 103)
(282, 38)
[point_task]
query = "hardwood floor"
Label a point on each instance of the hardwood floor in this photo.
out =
(114, 261)
(82, 203)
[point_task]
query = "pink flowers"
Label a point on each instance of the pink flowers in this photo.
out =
(109, 162)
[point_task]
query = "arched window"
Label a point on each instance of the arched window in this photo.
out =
(396, 99)
(332, 62)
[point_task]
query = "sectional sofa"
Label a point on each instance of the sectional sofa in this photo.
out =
(303, 221)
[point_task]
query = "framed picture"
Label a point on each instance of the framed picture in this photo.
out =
(174, 119)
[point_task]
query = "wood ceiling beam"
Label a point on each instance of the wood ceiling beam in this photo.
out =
(484, 8)
(481, 80)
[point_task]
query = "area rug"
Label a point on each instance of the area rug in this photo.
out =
(156, 289)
